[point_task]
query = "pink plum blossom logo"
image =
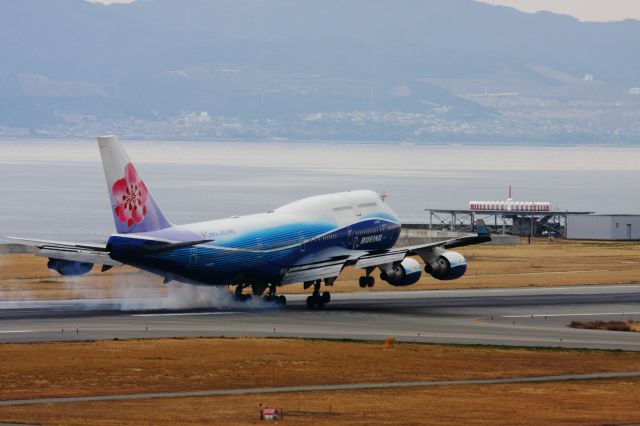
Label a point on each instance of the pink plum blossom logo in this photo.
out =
(131, 195)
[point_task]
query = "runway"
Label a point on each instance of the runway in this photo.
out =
(520, 317)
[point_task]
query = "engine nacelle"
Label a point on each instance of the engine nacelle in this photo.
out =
(69, 267)
(406, 273)
(448, 266)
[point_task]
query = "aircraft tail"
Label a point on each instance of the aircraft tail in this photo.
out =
(133, 207)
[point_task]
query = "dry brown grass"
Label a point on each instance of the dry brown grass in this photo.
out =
(88, 368)
(607, 325)
(566, 403)
(25, 276)
(539, 264)
(148, 365)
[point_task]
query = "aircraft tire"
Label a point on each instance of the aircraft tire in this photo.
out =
(370, 281)
(326, 297)
(282, 300)
(362, 281)
(311, 302)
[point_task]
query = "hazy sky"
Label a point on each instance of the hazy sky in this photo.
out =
(585, 10)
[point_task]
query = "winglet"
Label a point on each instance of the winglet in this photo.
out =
(481, 228)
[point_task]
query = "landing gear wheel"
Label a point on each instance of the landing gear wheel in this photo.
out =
(317, 300)
(311, 302)
(238, 292)
(370, 281)
(367, 281)
(239, 295)
(362, 282)
(278, 300)
(272, 297)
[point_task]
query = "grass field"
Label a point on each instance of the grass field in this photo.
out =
(139, 366)
(92, 368)
(539, 264)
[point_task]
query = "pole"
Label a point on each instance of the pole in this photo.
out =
(531, 229)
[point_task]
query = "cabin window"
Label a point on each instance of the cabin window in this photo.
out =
(367, 205)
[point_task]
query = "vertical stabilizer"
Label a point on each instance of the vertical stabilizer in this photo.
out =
(133, 207)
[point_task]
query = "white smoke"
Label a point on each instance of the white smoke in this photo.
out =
(186, 296)
(127, 291)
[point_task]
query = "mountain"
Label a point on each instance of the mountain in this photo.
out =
(272, 67)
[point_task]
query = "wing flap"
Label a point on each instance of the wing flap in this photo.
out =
(312, 272)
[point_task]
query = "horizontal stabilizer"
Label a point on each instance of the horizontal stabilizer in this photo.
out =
(73, 252)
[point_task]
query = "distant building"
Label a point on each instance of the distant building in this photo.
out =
(634, 91)
(588, 77)
(603, 227)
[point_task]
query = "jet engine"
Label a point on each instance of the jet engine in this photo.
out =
(69, 267)
(448, 266)
(405, 273)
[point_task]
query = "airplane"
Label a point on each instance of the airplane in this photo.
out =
(308, 241)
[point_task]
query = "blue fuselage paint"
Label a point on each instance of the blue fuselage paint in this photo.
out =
(259, 248)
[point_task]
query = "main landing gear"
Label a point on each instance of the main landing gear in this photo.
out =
(272, 297)
(257, 291)
(241, 297)
(368, 280)
(317, 300)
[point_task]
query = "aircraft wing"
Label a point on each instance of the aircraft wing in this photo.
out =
(75, 252)
(425, 251)
(329, 264)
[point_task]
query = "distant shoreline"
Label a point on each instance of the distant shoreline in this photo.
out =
(474, 144)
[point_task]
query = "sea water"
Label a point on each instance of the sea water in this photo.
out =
(55, 189)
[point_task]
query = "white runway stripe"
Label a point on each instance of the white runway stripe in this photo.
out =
(184, 314)
(581, 271)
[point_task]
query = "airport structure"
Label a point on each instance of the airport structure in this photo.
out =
(504, 217)
(604, 227)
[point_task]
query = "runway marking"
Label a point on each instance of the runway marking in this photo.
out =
(571, 315)
(323, 388)
(18, 331)
(184, 314)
